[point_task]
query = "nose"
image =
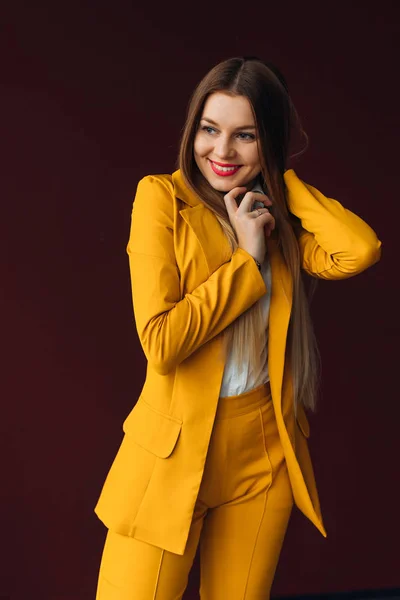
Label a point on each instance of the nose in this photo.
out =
(223, 148)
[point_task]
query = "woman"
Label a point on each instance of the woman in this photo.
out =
(215, 449)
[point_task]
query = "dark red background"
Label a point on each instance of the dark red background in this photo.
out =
(93, 97)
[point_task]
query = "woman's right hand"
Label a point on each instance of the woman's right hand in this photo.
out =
(250, 227)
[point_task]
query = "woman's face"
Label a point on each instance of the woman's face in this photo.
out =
(225, 145)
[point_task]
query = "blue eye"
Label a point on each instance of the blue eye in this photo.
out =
(208, 129)
(247, 136)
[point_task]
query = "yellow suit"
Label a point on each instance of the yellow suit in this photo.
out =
(187, 287)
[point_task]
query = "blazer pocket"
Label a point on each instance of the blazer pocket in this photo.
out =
(154, 431)
(302, 422)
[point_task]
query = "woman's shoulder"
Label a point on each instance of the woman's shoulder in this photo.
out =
(172, 183)
(157, 179)
(169, 185)
(156, 185)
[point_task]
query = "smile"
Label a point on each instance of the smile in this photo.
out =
(224, 171)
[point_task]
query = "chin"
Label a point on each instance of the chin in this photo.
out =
(225, 184)
(221, 186)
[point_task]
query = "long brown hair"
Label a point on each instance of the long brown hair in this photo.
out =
(276, 118)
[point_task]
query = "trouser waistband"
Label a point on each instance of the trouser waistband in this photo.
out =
(232, 406)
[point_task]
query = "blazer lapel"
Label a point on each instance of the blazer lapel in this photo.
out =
(182, 191)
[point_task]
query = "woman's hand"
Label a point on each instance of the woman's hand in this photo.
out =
(251, 227)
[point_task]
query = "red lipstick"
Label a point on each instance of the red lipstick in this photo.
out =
(224, 164)
(216, 167)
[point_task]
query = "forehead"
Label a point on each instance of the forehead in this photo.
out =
(227, 110)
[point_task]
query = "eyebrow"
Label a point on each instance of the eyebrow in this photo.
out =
(236, 128)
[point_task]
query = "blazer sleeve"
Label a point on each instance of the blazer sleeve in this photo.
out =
(171, 327)
(334, 242)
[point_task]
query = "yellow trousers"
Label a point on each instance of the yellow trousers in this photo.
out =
(240, 518)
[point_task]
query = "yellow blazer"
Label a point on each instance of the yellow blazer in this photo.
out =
(187, 287)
